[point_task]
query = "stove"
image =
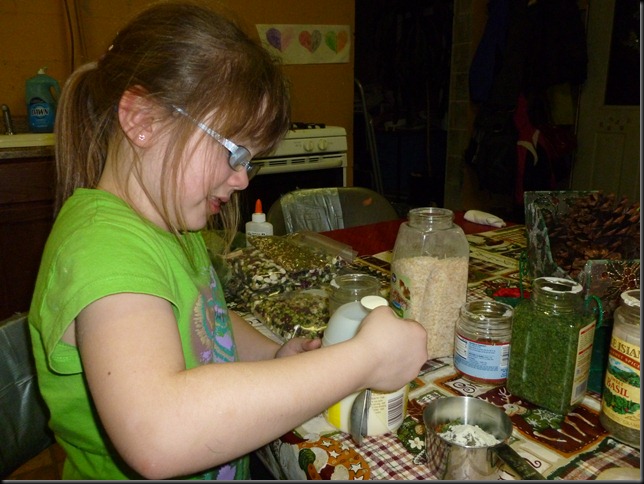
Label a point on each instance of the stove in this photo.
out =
(307, 146)
(311, 155)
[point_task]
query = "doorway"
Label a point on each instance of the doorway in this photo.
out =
(608, 154)
(402, 60)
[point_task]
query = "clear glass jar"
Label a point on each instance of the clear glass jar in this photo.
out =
(552, 342)
(482, 341)
(429, 271)
(620, 412)
(346, 288)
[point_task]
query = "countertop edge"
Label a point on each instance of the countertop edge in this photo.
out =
(26, 152)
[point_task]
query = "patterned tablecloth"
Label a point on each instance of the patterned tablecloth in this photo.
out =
(572, 447)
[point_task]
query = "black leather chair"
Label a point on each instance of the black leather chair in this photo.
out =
(23, 414)
(321, 209)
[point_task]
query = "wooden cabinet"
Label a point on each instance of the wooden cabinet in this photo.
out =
(26, 217)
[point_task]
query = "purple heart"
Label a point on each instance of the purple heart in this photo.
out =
(274, 38)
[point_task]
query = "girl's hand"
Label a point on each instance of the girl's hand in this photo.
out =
(395, 347)
(298, 345)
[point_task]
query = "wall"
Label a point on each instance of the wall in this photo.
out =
(35, 34)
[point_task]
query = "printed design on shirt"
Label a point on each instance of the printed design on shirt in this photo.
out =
(212, 331)
(225, 472)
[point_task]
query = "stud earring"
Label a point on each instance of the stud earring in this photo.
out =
(141, 137)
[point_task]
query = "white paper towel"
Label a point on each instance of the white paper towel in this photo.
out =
(484, 218)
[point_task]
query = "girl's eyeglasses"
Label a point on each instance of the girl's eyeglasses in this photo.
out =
(239, 157)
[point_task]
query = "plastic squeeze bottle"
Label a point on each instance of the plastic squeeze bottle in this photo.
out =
(41, 94)
(388, 409)
(258, 226)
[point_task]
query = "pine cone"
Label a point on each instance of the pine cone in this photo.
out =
(597, 226)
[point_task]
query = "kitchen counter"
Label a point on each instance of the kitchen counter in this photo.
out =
(26, 152)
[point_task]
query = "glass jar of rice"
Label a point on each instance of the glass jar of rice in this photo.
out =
(429, 271)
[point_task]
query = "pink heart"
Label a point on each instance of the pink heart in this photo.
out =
(287, 37)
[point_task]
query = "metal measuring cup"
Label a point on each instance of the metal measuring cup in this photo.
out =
(452, 461)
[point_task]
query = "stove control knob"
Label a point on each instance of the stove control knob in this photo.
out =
(308, 146)
(323, 144)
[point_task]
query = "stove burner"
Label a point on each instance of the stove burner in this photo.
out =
(307, 125)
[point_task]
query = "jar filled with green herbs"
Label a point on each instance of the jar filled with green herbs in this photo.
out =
(552, 341)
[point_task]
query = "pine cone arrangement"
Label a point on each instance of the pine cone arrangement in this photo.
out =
(597, 226)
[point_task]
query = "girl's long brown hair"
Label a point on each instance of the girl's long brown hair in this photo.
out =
(179, 54)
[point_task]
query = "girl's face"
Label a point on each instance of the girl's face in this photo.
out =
(208, 180)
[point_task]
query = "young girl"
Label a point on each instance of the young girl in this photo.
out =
(145, 371)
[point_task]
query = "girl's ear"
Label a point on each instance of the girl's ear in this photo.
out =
(136, 116)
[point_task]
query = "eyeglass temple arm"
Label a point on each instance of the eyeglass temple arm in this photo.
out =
(229, 146)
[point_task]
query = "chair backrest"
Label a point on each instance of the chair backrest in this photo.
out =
(23, 413)
(321, 209)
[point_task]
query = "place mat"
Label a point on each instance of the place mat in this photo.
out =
(566, 435)
(609, 454)
(388, 459)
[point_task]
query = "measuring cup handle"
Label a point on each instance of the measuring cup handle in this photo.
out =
(510, 456)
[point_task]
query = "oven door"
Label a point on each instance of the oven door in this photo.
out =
(279, 176)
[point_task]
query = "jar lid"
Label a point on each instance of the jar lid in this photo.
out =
(631, 298)
(558, 285)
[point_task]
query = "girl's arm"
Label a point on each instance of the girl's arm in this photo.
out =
(167, 421)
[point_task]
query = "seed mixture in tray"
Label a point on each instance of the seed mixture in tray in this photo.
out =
(294, 313)
(275, 265)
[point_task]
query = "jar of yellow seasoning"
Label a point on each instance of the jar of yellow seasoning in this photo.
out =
(620, 412)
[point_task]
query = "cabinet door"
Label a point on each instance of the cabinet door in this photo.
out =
(26, 217)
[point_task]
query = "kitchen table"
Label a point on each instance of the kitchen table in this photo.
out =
(574, 447)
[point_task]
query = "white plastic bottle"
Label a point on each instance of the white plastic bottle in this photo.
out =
(388, 409)
(258, 226)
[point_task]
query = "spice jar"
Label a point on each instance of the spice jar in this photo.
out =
(482, 341)
(620, 412)
(552, 340)
(346, 288)
(429, 271)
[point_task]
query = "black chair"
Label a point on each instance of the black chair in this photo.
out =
(23, 414)
(321, 209)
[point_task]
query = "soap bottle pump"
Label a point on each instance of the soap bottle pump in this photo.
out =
(41, 94)
(258, 226)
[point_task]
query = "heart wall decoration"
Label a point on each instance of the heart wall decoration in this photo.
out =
(307, 44)
(310, 40)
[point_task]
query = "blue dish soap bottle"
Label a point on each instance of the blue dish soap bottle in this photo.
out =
(41, 95)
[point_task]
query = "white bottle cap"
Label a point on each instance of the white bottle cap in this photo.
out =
(259, 217)
(372, 302)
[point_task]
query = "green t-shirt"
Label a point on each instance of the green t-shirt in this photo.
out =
(100, 246)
